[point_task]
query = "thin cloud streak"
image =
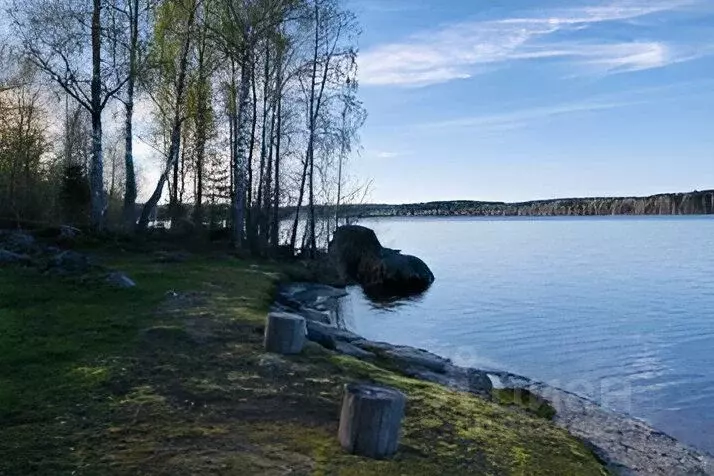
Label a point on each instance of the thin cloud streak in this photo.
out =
(387, 155)
(518, 119)
(457, 50)
(525, 117)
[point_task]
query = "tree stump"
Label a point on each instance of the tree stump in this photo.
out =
(285, 333)
(370, 420)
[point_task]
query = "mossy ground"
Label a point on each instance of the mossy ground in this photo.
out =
(169, 378)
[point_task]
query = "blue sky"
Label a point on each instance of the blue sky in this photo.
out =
(524, 99)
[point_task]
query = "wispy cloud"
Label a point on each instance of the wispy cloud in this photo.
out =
(392, 6)
(521, 118)
(524, 117)
(383, 154)
(457, 51)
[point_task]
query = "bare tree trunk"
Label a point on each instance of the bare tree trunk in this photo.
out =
(232, 120)
(173, 202)
(97, 169)
(150, 205)
(275, 231)
(253, 127)
(241, 144)
(264, 144)
(201, 126)
(343, 152)
(173, 154)
(200, 150)
(251, 149)
(265, 213)
(130, 191)
(182, 178)
(315, 105)
(311, 139)
(293, 236)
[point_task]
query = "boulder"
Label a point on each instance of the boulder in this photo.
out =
(8, 257)
(18, 242)
(359, 257)
(171, 256)
(68, 233)
(70, 262)
(353, 247)
(120, 280)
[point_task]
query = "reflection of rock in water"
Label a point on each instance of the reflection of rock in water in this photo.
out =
(391, 303)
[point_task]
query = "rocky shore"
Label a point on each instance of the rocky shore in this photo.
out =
(627, 446)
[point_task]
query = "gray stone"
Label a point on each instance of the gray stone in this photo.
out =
(68, 233)
(8, 257)
(352, 350)
(171, 256)
(70, 262)
(372, 345)
(457, 378)
(321, 334)
(359, 257)
(120, 280)
(18, 242)
(324, 317)
(336, 333)
(410, 357)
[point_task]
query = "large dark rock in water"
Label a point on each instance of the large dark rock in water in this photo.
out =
(359, 257)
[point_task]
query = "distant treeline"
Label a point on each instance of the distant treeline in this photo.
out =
(692, 203)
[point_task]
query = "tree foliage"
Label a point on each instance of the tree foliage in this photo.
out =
(249, 109)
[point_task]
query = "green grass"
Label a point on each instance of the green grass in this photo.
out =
(95, 380)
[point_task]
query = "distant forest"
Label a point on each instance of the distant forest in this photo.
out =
(692, 203)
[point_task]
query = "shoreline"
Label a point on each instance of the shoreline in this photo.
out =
(625, 445)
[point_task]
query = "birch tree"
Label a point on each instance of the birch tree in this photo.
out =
(62, 37)
(174, 36)
(131, 34)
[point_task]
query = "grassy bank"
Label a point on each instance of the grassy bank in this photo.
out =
(170, 378)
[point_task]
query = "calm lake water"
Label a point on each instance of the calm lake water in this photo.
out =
(620, 310)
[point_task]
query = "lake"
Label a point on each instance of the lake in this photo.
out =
(617, 309)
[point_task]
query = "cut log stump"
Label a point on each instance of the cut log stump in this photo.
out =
(371, 419)
(285, 333)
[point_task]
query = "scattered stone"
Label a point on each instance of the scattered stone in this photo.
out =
(410, 357)
(18, 242)
(120, 280)
(324, 317)
(68, 233)
(171, 257)
(372, 345)
(70, 262)
(371, 420)
(272, 361)
(8, 257)
(327, 335)
(321, 334)
(166, 336)
(352, 350)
